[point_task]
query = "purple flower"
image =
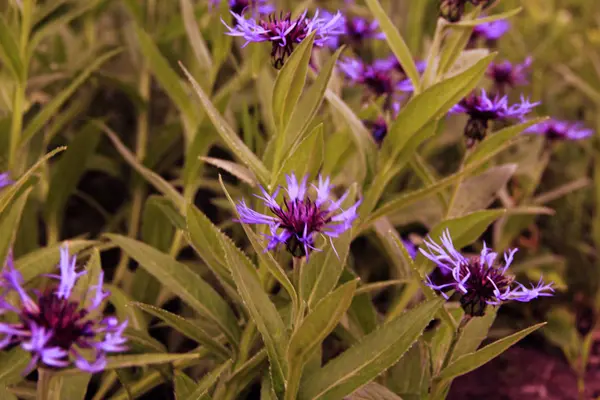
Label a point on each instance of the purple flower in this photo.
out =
(297, 219)
(5, 180)
(354, 31)
(392, 63)
(55, 326)
(285, 33)
(479, 280)
(555, 130)
(482, 109)
(378, 129)
(506, 75)
(241, 6)
(490, 32)
(379, 81)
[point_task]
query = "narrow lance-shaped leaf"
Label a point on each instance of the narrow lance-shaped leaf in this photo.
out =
(364, 361)
(182, 280)
(227, 134)
(472, 361)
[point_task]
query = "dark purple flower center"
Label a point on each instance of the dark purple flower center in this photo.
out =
(299, 217)
(356, 28)
(283, 47)
(378, 129)
(503, 75)
(552, 133)
(380, 83)
(64, 318)
(479, 286)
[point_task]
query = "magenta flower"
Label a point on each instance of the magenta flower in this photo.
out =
(297, 219)
(241, 6)
(5, 180)
(482, 109)
(555, 130)
(55, 326)
(285, 33)
(506, 75)
(378, 80)
(489, 32)
(481, 280)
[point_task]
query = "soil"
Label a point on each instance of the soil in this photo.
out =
(526, 372)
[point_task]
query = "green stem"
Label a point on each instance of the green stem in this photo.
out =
(431, 70)
(44, 389)
(16, 124)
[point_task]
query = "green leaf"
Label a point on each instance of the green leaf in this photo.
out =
(307, 338)
(396, 42)
(466, 229)
(231, 139)
(491, 18)
(197, 42)
(168, 80)
(323, 270)
(373, 391)
(52, 107)
(499, 141)
(309, 104)
(374, 354)
(455, 43)
(263, 313)
(138, 360)
(121, 301)
(474, 333)
(265, 257)
(5, 394)
(12, 364)
(305, 158)
(208, 241)
(68, 171)
(180, 279)
(9, 223)
(45, 260)
(187, 328)
(68, 386)
(8, 194)
(431, 105)
(152, 177)
(478, 192)
(184, 385)
(470, 362)
(208, 381)
(235, 169)
(289, 84)
(9, 51)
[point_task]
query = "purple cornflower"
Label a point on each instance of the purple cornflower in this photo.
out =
(479, 280)
(379, 81)
(241, 6)
(489, 32)
(482, 109)
(554, 130)
(55, 326)
(354, 31)
(392, 63)
(5, 180)
(284, 32)
(506, 75)
(378, 129)
(299, 218)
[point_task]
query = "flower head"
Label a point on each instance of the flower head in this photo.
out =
(285, 33)
(506, 75)
(241, 6)
(354, 31)
(5, 180)
(380, 81)
(298, 218)
(479, 280)
(555, 129)
(378, 129)
(490, 32)
(482, 109)
(54, 325)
